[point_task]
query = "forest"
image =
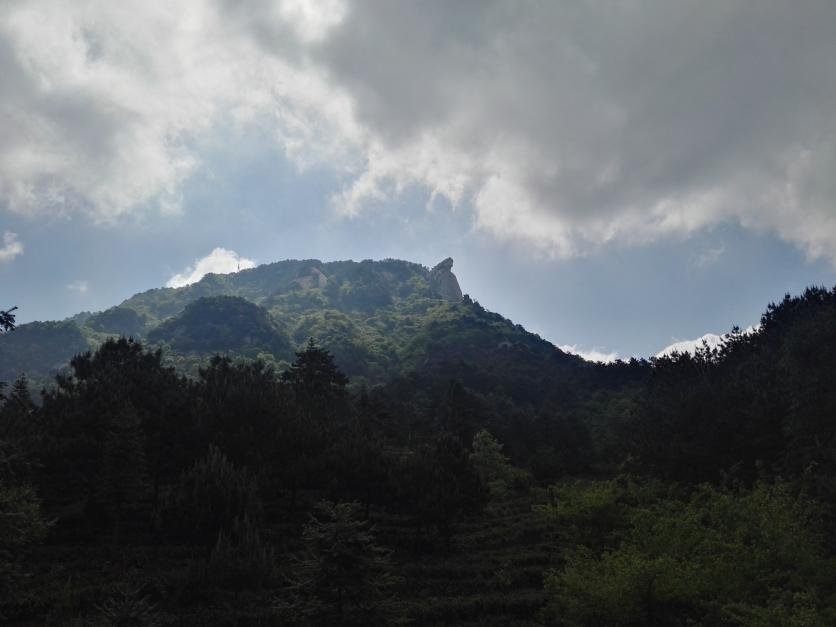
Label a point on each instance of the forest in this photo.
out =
(451, 470)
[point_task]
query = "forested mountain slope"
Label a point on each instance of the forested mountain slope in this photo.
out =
(378, 318)
(495, 481)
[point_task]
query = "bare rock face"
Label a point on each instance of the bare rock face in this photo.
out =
(444, 282)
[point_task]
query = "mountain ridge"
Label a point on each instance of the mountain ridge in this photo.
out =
(378, 318)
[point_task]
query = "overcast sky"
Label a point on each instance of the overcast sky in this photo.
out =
(615, 176)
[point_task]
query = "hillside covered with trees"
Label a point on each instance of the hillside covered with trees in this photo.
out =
(367, 449)
(376, 317)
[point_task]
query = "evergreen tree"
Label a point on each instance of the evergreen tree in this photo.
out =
(342, 576)
(209, 497)
(122, 483)
(21, 525)
(491, 464)
(438, 485)
(18, 433)
(314, 374)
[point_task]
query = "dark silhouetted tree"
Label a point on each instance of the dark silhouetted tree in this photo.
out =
(342, 576)
(208, 498)
(314, 374)
(122, 483)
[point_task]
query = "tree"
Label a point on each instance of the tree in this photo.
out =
(342, 575)
(358, 467)
(19, 433)
(490, 463)
(438, 485)
(77, 415)
(7, 323)
(21, 524)
(7, 320)
(714, 557)
(122, 482)
(314, 374)
(210, 496)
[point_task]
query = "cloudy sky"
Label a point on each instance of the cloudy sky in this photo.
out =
(614, 175)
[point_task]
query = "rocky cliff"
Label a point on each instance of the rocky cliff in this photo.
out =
(444, 282)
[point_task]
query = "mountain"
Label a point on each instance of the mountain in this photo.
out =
(497, 479)
(378, 319)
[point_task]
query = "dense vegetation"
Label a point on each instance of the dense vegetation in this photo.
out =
(372, 316)
(489, 480)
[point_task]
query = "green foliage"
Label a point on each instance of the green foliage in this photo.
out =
(220, 324)
(314, 375)
(240, 560)
(121, 435)
(122, 483)
(78, 419)
(438, 485)
(710, 558)
(21, 522)
(493, 468)
(209, 498)
(343, 576)
(39, 349)
(18, 433)
(21, 525)
(584, 512)
(119, 321)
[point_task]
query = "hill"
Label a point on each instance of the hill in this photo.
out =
(378, 319)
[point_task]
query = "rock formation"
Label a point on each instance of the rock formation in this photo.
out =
(444, 282)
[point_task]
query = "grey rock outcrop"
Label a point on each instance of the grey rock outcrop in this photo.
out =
(444, 283)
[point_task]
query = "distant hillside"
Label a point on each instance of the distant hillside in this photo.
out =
(221, 324)
(39, 348)
(378, 318)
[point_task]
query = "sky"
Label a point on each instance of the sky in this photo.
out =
(617, 176)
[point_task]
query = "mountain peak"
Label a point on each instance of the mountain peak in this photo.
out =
(444, 282)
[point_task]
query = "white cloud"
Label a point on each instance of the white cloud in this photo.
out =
(103, 104)
(81, 286)
(564, 126)
(596, 354)
(12, 247)
(690, 346)
(219, 261)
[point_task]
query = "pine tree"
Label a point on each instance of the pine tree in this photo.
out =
(314, 373)
(18, 433)
(210, 496)
(343, 575)
(122, 483)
